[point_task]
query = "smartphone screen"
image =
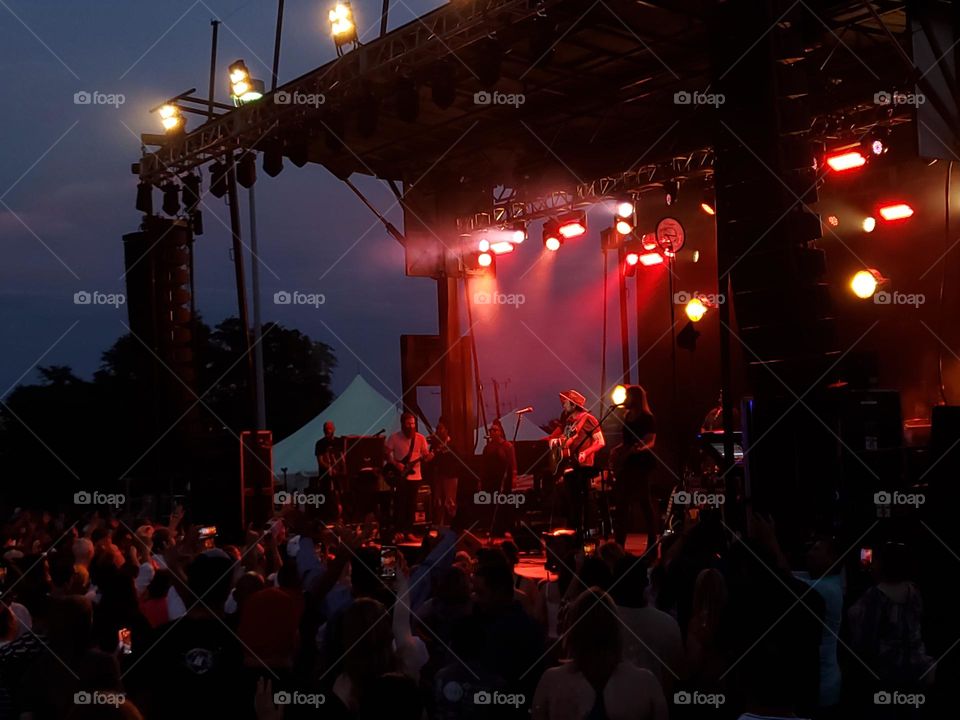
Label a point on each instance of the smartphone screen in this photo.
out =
(388, 561)
(866, 557)
(589, 547)
(207, 536)
(123, 641)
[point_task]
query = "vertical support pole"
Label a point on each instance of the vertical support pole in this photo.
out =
(624, 328)
(240, 280)
(276, 47)
(261, 406)
(215, 24)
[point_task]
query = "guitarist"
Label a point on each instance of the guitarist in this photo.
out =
(406, 452)
(578, 441)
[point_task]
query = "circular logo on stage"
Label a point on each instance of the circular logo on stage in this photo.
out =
(670, 236)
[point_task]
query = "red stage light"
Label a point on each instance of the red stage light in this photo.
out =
(895, 211)
(708, 208)
(846, 160)
(485, 259)
(649, 241)
(623, 227)
(632, 258)
(502, 247)
(649, 259)
(833, 220)
(572, 225)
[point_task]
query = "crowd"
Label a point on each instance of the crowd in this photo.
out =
(118, 617)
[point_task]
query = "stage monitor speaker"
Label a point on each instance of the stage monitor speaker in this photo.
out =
(256, 476)
(871, 420)
(365, 453)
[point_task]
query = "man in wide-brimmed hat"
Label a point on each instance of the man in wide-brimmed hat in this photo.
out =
(579, 440)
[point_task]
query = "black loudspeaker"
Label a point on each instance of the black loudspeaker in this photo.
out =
(872, 421)
(365, 453)
(256, 476)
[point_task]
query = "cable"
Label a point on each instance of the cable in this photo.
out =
(482, 410)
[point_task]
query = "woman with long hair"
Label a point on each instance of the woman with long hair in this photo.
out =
(706, 660)
(597, 683)
(634, 462)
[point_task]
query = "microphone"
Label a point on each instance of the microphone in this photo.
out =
(524, 411)
(380, 432)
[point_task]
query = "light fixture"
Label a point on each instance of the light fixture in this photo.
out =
(619, 395)
(624, 227)
(485, 259)
(243, 88)
(847, 160)
(145, 198)
(895, 211)
(552, 240)
(171, 198)
(171, 118)
(631, 258)
(218, 179)
(649, 242)
(833, 220)
(875, 143)
(708, 202)
(342, 26)
(625, 208)
(671, 192)
(518, 233)
(247, 170)
(865, 283)
(502, 247)
(648, 259)
(695, 309)
(572, 225)
(869, 224)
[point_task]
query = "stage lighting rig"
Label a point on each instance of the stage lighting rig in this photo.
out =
(552, 239)
(572, 225)
(243, 88)
(171, 118)
(892, 212)
(671, 192)
(864, 283)
(846, 160)
(343, 27)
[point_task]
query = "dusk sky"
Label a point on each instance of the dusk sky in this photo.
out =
(67, 197)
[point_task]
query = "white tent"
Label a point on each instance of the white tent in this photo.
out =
(528, 430)
(360, 410)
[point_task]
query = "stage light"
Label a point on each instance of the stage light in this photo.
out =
(171, 199)
(708, 202)
(518, 233)
(648, 259)
(572, 225)
(247, 170)
(632, 258)
(170, 117)
(869, 224)
(833, 220)
(218, 179)
(875, 143)
(671, 192)
(552, 240)
(619, 395)
(624, 227)
(273, 158)
(865, 283)
(485, 259)
(849, 160)
(895, 211)
(342, 26)
(696, 256)
(191, 192)
(625, 208)
(145, 198)
(483, 245)
(695, 309)
(552, 243)
(502, 247)
(649, 242)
